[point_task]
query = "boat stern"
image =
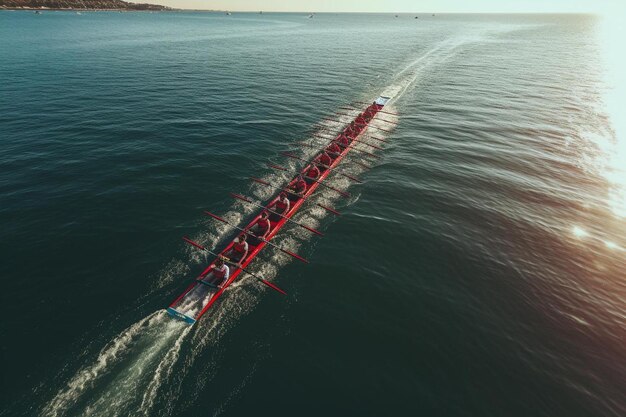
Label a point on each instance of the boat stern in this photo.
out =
(382, 100)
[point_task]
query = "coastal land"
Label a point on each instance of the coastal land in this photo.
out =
(79, 5)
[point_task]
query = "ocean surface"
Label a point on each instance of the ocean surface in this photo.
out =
(477, 271)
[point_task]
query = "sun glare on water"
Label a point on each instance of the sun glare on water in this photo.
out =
(579, 232)
(612, 33)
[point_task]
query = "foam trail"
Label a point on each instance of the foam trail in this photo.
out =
(134, 350)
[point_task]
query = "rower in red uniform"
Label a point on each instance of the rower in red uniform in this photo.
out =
(239, 250)
(260, 229)
(352, 130)
(312, 174)
(333, 149)
(343, 141)
(324, 160)
(280, 207)
(219, 273)
(360, 121)
(298, 189)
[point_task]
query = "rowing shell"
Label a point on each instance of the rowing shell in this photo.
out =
(199, 296)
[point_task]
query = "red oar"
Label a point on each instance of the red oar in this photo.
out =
(341, 193)
(374, 127)
(264, 281)
(295, 255)
(335, 154)
(356, 162)
(378, 139)
(379, 111)
(242, 198)
(381, 119)
(362, 143)
(384, 120)
(370, 145)
(278, 167)
(352, 146)
(325, 166)
(287, 190)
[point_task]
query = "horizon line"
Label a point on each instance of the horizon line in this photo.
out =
(366, 12)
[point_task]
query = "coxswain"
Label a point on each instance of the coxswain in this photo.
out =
(312, 174)
(298, 188)
(324, 160)
(219, 273)
(279, 207)
(239, 250)
(261, 228)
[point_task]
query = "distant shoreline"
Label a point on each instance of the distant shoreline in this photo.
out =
(43, 9)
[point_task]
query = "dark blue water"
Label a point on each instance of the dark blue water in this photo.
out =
(478, 271)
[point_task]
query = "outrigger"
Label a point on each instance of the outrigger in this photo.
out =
(202, 294)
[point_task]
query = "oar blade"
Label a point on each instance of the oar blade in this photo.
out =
(378, 139)
(341, 193)
(278, 167)
(272, 286)
(260, 181)
(310, 229)
(330, 210)
(216, 217)
(240, 197)
(192, 243)
(373, 146)
(295, 255)
(353, 178)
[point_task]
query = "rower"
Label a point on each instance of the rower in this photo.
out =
(280, 207)
(312, 174)
(352, 130)
(333, 149)
(324, 160)
(239, 250)
(219, 273)
(360, 121)
(298, 188)
(261, 228)
(343, 141)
